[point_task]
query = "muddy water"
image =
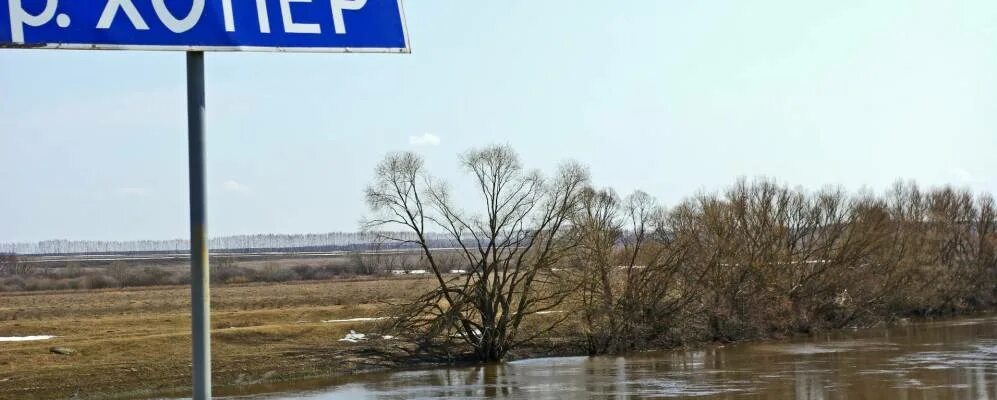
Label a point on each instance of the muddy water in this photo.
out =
(955, 359)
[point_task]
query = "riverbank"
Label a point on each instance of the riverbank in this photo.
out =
(134, 343)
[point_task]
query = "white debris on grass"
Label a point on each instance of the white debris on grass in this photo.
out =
(387, 337)
(24, 338)
(549, 312)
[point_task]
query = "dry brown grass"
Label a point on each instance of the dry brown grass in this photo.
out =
(135, 342)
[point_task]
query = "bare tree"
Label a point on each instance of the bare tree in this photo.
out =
(508, 249)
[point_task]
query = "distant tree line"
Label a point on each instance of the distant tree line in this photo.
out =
(303, 242)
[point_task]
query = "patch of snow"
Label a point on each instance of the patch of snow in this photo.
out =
(549, 312)
(353, 337)
(24, 338)
(387, 337)
(408, 271)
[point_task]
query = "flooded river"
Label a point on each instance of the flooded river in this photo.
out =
(953, 359)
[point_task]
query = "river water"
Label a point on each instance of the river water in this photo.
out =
(952, 359)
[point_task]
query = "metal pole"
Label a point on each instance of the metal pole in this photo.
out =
(200, 294)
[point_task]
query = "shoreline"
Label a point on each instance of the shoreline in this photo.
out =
(307, 383)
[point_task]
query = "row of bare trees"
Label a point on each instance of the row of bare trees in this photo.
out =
(762, 259)
(549, 256)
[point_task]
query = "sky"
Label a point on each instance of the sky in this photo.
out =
(668, 97)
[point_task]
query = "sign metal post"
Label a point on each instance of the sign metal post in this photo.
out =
(200, 290)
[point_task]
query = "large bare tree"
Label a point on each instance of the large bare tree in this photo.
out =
(509, 244)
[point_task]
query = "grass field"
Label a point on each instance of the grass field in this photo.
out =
(135, 342)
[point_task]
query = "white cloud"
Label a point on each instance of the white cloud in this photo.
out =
(962, 175)
(133, 191)
(426, 139)
(235, 187)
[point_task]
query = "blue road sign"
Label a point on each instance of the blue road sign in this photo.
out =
(206, 25)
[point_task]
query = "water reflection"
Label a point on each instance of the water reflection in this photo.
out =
(938, 360)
